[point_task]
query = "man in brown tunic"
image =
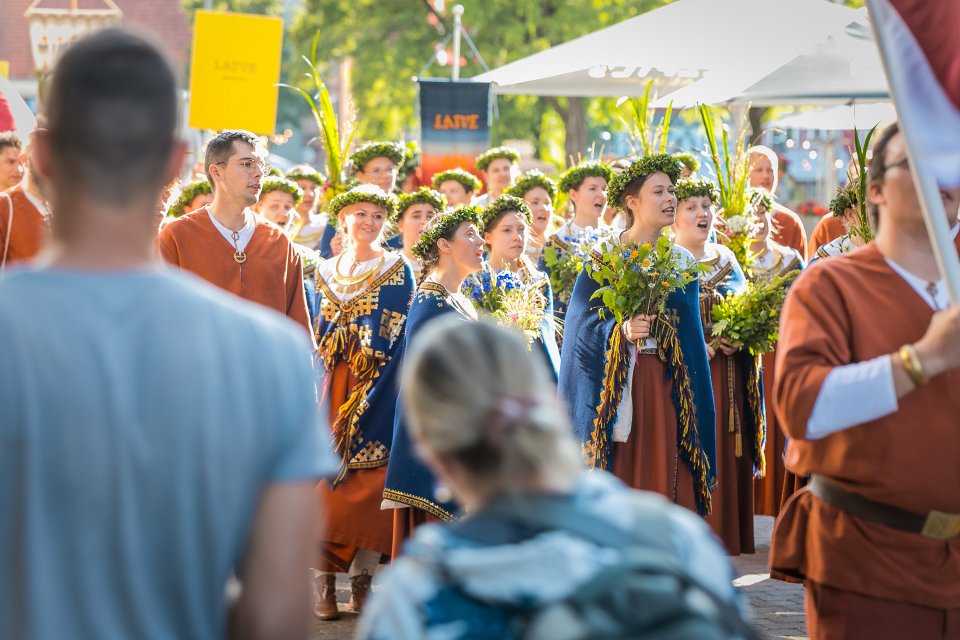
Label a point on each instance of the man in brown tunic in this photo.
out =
(765, 174)
(228, 244)
(868, 391)
(23, 216)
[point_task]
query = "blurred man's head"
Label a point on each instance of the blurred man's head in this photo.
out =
(11, 170)
(111, 136)
(764, 168)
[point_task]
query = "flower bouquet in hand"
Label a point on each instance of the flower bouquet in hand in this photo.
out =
(750, 320)
(636, 279)
(565, 266)
(504, 296)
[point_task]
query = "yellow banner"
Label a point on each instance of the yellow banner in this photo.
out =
(235, 67)
(4, 69)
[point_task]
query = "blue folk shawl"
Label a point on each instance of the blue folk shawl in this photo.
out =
(409, 481)
(593, 374)
(367, 332)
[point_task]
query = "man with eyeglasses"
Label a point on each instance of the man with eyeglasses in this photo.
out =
(868, 372)
(229, 245)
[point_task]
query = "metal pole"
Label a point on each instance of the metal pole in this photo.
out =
(457, 31)
(931, 203)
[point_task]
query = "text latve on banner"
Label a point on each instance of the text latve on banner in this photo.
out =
(234, 71)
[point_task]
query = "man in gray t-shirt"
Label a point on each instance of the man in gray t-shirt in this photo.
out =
(157, 435)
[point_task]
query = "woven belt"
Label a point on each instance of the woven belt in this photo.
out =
(935, 524)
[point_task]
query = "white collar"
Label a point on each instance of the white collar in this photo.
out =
(243, 235)
(37, 203)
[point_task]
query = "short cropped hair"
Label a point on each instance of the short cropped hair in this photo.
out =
(220, 147)
(10, 139)
(112, 118)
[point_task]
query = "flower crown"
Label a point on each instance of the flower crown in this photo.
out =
(444, 224)
(846, 198)
(531, 180)
(469, 181)
(305, 172)
(760, 198)
(574, 176)
(393, 151)
(423, 195)
(641, 168)
(688, 160)
(190, 191)
(500, 205)
(282, 184)
(697, 187)
(488, 156)
(364, 193)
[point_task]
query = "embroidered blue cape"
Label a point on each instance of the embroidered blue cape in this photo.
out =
(367, 332)
(409, 481)
(593, 374)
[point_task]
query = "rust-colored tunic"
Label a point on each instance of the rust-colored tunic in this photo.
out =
(788, 229)
(649, 459)
(28, 234)
(272, 274)
(731, 517)
(352, 518)
(908, 459)
(828, 229)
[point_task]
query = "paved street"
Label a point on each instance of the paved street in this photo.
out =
(778, 606)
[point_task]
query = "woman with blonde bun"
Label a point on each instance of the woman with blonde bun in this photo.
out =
(483, 414)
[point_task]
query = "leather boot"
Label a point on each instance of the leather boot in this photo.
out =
(359, 590)
(325, 597)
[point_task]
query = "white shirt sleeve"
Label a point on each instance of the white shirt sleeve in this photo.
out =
(851, 395)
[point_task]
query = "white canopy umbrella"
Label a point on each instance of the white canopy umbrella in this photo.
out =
(736, 41)
(840, 118)
(842, 67)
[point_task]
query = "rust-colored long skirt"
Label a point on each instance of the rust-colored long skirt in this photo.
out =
(649, 459)
(352, 519)
(768, 491)
(404, 522)
(732, 515)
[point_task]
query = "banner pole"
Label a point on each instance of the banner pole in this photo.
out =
(931, 204)
(457, 32)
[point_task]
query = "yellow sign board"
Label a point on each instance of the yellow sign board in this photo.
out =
(4, 69)
(235, 67)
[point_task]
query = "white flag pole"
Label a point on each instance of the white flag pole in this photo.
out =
(944, 249)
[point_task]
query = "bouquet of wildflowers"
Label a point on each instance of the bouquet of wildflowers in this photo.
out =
(507, 299)
(636, 279)
(750, 319)
(738, 202)
(565, 266)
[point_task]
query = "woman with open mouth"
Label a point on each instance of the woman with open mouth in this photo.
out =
(735, 373)
(639, 391)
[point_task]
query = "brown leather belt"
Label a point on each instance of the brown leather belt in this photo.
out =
(935, 524)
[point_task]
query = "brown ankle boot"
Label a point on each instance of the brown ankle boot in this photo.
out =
(325, 597)
(359, 590)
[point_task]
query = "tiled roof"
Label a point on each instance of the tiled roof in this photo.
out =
(163, 19)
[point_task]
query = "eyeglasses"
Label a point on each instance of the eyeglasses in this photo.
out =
(904, 162)
(250, 165)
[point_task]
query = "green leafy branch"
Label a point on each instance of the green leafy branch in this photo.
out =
(652, 139)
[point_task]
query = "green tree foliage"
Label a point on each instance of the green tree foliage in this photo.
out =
(390, 42)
